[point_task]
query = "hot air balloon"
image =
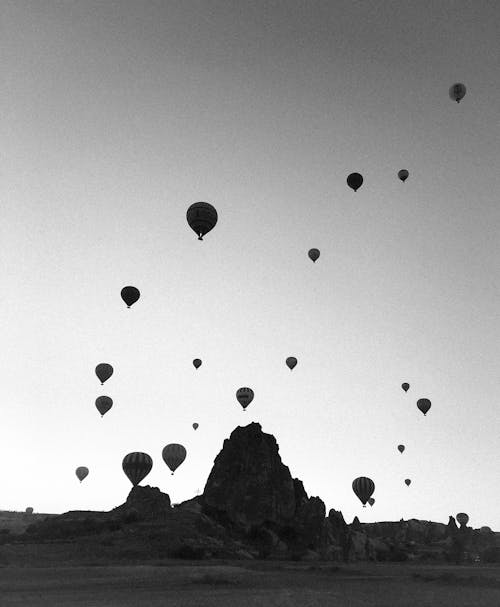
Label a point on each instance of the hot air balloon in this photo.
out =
(457, 91)
(424, 404)
(354, 181)
(103, 404)
(103, 372)
(130, 295)
(314, 254)
(244, 396)
(408, 482)
(405, 386)
(137, 466)
(196, 425)
(363, 487)
(81, 472)
(202, 217)
(173, 455)
(197, 363)
(485, 530)
(462, 518)
(401, 448)
(371, 501)
(403, 174)
(29, 510)
(291, 362)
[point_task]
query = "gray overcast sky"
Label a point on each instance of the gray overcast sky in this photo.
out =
(116, 116)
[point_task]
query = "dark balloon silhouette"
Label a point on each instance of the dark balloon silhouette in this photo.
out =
(81, 472)
(137, 466)
(244, 396)
(197, 363)
(405, 386)
(457, 91)
(103, 371)
(354, 181)
(196, 425)
(314, 254)
(201, 217)
(173, 455)
(130, 295)
(408, 482)
(462, 518)
(29, 510)
(291, 362)
(403, 174)
(371, 501)
(424, 404)
(363, 487)
(401, 448)
(103, 404)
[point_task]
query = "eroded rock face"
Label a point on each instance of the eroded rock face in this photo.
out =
(146, 503)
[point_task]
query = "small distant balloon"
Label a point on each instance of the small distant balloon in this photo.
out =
(403, 174)
(314, 254)
(201, 217)
(130, 295)
(405, 386)
(197, 363)
(407, 482)
(103, 404)
(291, 362)
(137, 466)
(81, 473)
(371, 501)
(354, 181)
(244, 396)
(103, 371)
(401, 448)
(363, 487)
(485, 530)
(196, 425)
(462, 518)
(173, 455)
(457, 91)
(29, 510)
(424, 404)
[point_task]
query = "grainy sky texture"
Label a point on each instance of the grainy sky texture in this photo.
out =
(116, 116)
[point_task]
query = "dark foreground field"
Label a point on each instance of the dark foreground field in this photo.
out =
(237, 584)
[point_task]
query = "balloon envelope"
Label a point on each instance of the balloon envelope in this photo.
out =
(405, 386)
(403, 174)
(29, 510)
(354, 181)
(137, 466)
(462, 518)
(130, 295)
(196, 426)
(314, 254)
(103, 404)
(197, 363)
(244, 396)
(408, 481)
(401, 448)
(457, 91)
(371, 501)
(291, 362)
(173, 455)
(81, 472)
(201, 217)
(103, 371)
(424, 404)
(363, 487)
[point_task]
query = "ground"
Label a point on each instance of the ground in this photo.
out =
(251, 584)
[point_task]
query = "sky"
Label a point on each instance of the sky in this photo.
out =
(116, 116)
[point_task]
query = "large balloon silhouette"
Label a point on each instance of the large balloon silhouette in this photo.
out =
(197, 363)
(137, 466)
(354, 181)
(462, 518)
(291, 362)
(405, 386)
(244, 396)
(81, 472)
(173, 455)
(403, 174)
(130, 295)
(103, 371)
(103, 404)
(363, 487)
(401, 448)
(424, 404)
(202, 217)
(457, 91)
(314, 254)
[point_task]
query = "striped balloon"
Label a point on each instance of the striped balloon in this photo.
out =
(201, 217)
(244, 396)
(137, 466)
(363, 487)
(462, 518)
(173, 455)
